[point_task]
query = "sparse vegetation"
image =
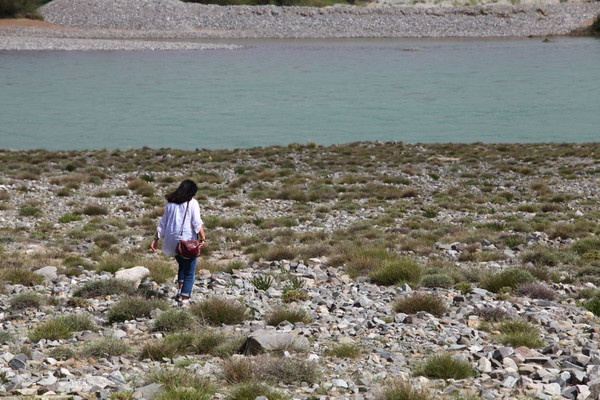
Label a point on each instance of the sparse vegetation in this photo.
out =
(444, 366)
(133, 307)
(519, 333)
(508, 278)
(399, 389)
(420, 301)
(218, 310)
(290, 314)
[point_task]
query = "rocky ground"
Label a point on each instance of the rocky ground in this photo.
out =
(122, 21)
(313, 219)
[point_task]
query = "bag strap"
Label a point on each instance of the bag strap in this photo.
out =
(182, 224)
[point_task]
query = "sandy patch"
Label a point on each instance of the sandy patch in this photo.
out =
(27, 22)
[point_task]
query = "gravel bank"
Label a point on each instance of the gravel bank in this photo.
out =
(195, 20)
(33, 43)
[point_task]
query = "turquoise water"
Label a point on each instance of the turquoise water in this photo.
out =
(283, 91)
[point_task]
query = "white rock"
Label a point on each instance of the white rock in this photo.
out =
(135, 274)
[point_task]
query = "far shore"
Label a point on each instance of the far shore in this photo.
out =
(178, 22)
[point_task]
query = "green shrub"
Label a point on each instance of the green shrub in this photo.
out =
(104, 287)
(277, 253)
(399, 389)
(238, 370)
(181, 384)
(20, 9)
(593, 306)
(26, 300)
(105, 240)
(52, 329)
(105, 347)
(444, 366)
(114, 262)
(78, 322)
(437, 281)
(19, 275)
(536, 290)
(363, 260)
(30, 211)
(262, 282)
(192, 342)
(541, 256)
(218, 310)
(69, 217)
(398, 270)
(595, 28)
(6, 337)
(289, 314)
(287, 370)
(62, 353)
(420, 301)
(129, 308)
(252, 390)
(173, 320)
(345, 350)
(511, 277)
(517, 332)
(586, 245)
(161, 271)
(294, 295)
(94, 209)
(464, 287)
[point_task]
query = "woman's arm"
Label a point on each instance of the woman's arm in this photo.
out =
(160, 229)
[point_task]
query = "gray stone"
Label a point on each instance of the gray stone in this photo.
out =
(135, 274)
(148, 391)
(50, 273)
(265, 340)
(18, 362)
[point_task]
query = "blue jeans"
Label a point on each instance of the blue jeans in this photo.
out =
(186, 274)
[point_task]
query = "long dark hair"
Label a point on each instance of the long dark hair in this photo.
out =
(186, 190)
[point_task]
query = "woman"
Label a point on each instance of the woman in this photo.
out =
(181, 217)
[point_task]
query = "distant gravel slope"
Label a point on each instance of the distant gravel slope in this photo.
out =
(172, 18)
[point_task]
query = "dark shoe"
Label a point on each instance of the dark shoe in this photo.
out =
(177, 297)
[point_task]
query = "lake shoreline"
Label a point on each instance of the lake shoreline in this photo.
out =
(177, 22)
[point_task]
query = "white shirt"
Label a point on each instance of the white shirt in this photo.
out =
(171, 222)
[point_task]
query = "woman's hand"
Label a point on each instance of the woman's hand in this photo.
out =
(154, 245)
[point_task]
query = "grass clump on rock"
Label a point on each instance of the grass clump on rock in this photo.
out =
(252, 390)
(130, 308)
(287, 370)
(420, 301)
(517, 332)
(511, 277)
(444, 366)
(61, 327)
(103, 287)
(219, 310)
(399, 389)
(238, 369)
(26, 300)
(173, 320)
(437, 281)
(105, 347)
(181, 384)
(536, 290)
(30, 211)
(396, 271)
(345, 350)
(290, 314)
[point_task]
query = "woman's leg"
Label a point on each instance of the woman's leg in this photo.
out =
(189, 273)
(180, 272)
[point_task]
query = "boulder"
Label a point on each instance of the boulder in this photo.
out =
(49, 272)
(265, 340)
(135, 274)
